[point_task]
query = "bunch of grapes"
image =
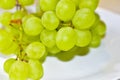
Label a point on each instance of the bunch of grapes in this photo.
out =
(59, 28)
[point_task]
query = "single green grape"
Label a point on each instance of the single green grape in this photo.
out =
(36, 69)
(96, 40)
(50, 20)
(5, 40)
(5, 18)
(91, 4)
(26, 2)
(65, 10)
(8, 63)
(100, 28)
(84, 37)
(32, 26)
(54, 50)
(83, 19)
(19, 71)
(48, 38)
(7, 4)
(66, 38)
(35, 50)
(48, 5)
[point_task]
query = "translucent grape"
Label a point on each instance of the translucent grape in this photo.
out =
(96, 40)
(100, 29)
(50, 20)
(65, 10)
(7, 4)
(19, 71)
(32, 26)
(83, 37)
(48, 38)
(35, 50)
(48, 5)
(66, 38)
(91, 4)
(36, 69)
(26, 2)
(83, 19)
(8, 63)
(5, 18)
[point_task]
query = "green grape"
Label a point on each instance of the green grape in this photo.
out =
(11, 49)
(54, 50)
(7, 4)
(48, 5)
(83, 37)
(91, 4)
(100, 28)
(5, 40)
(19, 71)
(35, 50)
(83, 19)
(48, 37)
(36, 69)
(65, 10)
(66, 38)
(50, 20)
(8, 63)
(96, 40)
(18, 15)
(26, 2)
(97, 20)
(5, 18)
(32, 26)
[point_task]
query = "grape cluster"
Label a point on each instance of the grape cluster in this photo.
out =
(59, 28)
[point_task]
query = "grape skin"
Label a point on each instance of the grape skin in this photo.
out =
(83, 19)
(7, 4)
(50, 20)
(32, 26)
(66, 38)
(35, 50)
(65, 10)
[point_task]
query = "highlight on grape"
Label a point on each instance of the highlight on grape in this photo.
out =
(59, 28)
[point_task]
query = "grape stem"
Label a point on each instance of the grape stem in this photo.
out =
(18, 6)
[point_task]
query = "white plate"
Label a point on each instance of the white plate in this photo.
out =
(102, 63)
